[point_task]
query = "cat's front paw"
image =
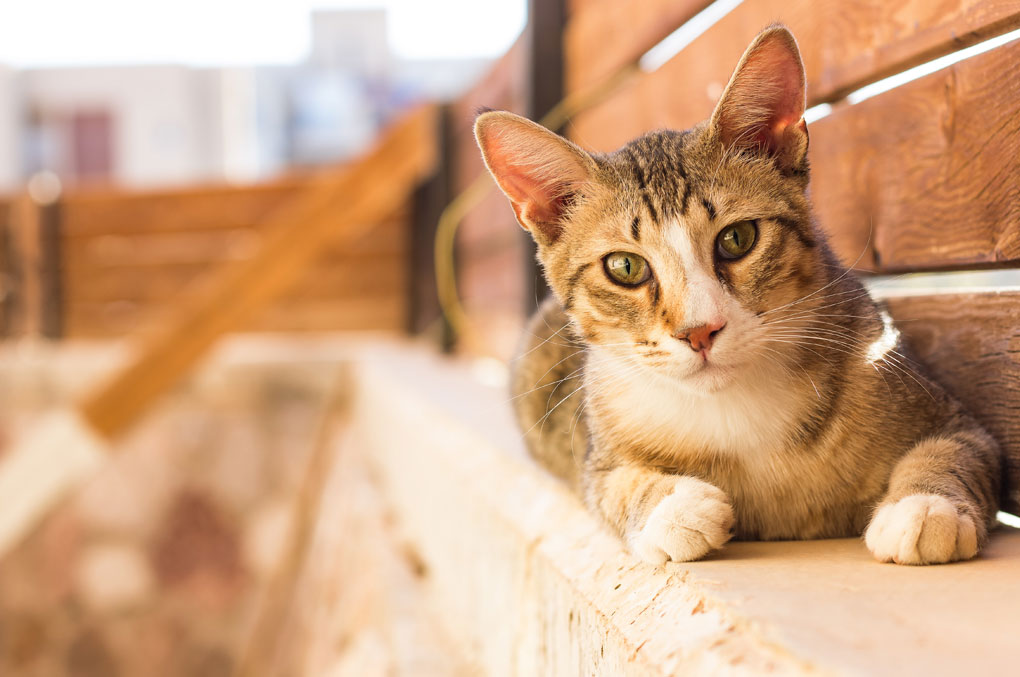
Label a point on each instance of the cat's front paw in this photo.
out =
(921, 529)
(686, 525)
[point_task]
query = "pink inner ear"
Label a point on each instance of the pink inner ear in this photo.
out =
(780, 69)
(537, 172)
(765, 99)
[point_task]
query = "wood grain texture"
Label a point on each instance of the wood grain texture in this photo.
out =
(845, 45)
(126, 256)
(606, 35)
(338, 279)
(111, 212)
(209, 247)
(929, 172)
(370, 312)
(971, 343)
(368, 190)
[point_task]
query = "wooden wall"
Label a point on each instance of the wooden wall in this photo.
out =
(874, 162)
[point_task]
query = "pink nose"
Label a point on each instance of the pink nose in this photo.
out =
(701, 337)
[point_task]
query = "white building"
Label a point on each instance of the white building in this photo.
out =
(143, 126)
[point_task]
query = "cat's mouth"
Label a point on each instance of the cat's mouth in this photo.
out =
(707, 374)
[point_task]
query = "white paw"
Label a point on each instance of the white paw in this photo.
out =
(921, 529)
(686, 525)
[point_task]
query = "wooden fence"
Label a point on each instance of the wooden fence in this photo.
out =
(120, 258)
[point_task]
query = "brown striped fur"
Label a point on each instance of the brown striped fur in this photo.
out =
(806, 419)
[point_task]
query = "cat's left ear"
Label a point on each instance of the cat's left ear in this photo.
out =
(541, 172)
(762, 107)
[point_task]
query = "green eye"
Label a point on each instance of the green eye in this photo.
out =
(626, 268)
(736, 239)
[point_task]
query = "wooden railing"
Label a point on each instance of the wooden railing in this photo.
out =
(125, 257)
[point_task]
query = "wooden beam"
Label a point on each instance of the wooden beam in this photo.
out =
(596, 47)
(107, 212)
(546, 64)
(928, 174)
(845, 45)
(423, 311)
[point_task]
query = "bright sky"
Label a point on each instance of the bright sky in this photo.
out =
(220, 32)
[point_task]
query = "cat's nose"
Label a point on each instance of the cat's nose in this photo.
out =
(702, 336)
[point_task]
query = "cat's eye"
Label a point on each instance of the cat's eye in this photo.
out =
(626, 268)
(736, 239)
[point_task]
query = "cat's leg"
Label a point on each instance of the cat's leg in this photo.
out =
(660, 516)
(942, 495)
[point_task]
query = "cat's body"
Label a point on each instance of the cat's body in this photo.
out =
(706, 367)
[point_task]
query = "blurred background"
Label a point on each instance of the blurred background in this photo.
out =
(148, 152)
(152, 95)
(155, 139)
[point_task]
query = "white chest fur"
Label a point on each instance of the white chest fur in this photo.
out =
(751, 418)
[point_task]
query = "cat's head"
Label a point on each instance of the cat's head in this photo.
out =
(669, 251)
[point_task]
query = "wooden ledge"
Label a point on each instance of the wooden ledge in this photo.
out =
(529, 583)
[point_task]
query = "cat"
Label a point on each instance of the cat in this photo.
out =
(705, 367)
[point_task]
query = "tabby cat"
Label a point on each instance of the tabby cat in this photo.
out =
(706, 368)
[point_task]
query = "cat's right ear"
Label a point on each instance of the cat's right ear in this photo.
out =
(541, 172)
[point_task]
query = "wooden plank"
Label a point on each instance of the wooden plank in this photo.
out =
(491, 222)
(547, 21)
(845, 45)
(118, 212)
(580, 5)
(333, 279)
(368, 313)
(971, 343)
(371, 312)
(596, 44)
(344, 207)
(930, 171)
(208, 247)
(424, 312)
